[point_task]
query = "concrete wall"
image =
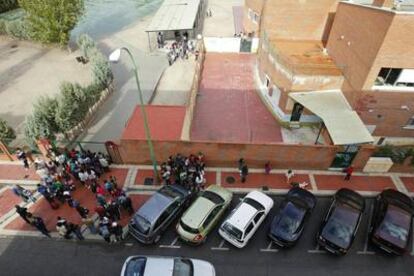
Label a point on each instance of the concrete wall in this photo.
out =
(298, 19)
(227, 154)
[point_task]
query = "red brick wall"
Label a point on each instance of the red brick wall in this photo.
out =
(226, 154)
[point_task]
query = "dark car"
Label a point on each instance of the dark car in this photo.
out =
(288, 224)
(391, 222)
(157, 213)
(341, 222)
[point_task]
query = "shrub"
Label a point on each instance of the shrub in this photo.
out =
(102, 73)
(87, 45)
(7, 134)
(41, 124)
(17, 28)
(6, 5)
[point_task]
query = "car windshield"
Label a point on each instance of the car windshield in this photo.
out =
(290, 219)
(142, 224)
(254, 203)
(135, 267)
(169, 192)
(183, 267)
(216, 199)
(188, 228)
(341, 225)
(233, 231)
(395, 226)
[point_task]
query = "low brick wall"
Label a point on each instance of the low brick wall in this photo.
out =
(226, 154)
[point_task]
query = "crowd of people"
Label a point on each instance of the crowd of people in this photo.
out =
(181, 47)
(62, 174)
(187, 171)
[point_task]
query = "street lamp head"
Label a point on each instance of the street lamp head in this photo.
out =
(115, 55)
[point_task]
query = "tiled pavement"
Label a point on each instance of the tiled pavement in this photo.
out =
(132, 177)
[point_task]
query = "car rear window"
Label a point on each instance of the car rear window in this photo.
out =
(395, 226)
(169, 192)
(188, 228)
(341, 225)
(216, 199)
(254, 203)
(136, 267)
(232, 231)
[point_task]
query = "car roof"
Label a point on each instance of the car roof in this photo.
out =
(242, 216)
(260, 197)
(159, 266)
(222, 192)
(154, 207)
(195, 215)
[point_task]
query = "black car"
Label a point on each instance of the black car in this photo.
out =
(158, 212)
(341, 222)
(288, 224)
(391, 222)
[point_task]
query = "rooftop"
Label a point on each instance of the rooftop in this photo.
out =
(304, 57)
(165, 123)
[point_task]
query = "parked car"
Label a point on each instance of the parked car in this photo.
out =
(166, 266)
(245, 219)
(203, 214)
(288, 224)
(158, 212)
(341, 222)
(391, 224)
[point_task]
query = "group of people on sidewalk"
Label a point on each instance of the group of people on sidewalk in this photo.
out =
(187, 171)
(59, 178)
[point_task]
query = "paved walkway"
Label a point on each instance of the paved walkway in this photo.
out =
(133, 177)
(228, 107)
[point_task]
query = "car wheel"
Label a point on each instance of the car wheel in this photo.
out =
(157, 239)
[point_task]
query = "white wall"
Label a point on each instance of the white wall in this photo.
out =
(222, 44)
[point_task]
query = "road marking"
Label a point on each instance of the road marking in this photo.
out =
(366, 251)
(221, 246)
(218, 177)
(172, 245)
(317, 250)
(128, 244)
(399, 184)
(313, 182)
(269, 248)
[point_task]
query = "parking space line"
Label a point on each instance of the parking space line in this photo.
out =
(172, 245)
(221, 247)
(317, 250)
(269, 248)
(366, 251)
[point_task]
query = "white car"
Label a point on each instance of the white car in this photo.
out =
(166, 266)
(246, 218)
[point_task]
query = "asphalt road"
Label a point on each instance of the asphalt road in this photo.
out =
(35, 256)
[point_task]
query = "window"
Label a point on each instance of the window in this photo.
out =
(395, 77)
(253, 16)
(213, 197)
(211, 216)
(410, 123)
(249, 229)
(183, 267)
(258, 217)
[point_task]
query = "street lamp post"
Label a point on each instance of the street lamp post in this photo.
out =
(114, 58)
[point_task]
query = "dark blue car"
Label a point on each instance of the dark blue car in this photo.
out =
(288, 224)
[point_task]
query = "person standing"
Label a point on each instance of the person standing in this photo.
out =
(90, 223)
(23, 213)
(117, 231)
(74, 228)
(267, 168)
(289, 174)
(82, 211)
(348, 172)
(21, 155)
(40, 225)
(244, 172)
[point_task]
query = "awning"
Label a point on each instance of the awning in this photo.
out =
(175, 15)
(343, 124)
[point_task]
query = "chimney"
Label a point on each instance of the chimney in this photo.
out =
(383, 3)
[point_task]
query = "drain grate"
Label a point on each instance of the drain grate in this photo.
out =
(230, 180)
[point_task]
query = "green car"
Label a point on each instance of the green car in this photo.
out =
(203, 214)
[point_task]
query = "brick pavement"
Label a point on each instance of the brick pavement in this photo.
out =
(408, 183)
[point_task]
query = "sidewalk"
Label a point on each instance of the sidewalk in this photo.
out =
(133, 177)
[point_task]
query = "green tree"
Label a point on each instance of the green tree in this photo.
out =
(102, 73)
(6, 5)
(72, 106)
(6, 132)
(87, 45)
(52, 20)
(41, 124)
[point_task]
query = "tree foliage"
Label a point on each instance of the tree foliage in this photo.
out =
(41, 124)
(86, 45)
(6, 5)
(7, 134)
(52, 20)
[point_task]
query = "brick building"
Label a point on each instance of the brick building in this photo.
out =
(361, 50)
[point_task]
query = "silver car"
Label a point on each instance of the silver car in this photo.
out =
(166, 266)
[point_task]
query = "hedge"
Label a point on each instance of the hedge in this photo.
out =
(7, 5)
(7, 133)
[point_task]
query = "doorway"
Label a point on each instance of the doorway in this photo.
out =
(296, 112)
(344, 158)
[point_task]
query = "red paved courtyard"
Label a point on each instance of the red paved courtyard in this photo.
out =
(7, 201)
(228, 107)
(408, 183)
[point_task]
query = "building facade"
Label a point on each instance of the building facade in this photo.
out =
(364, 49)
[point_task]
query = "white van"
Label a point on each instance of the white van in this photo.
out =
(246, 218)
